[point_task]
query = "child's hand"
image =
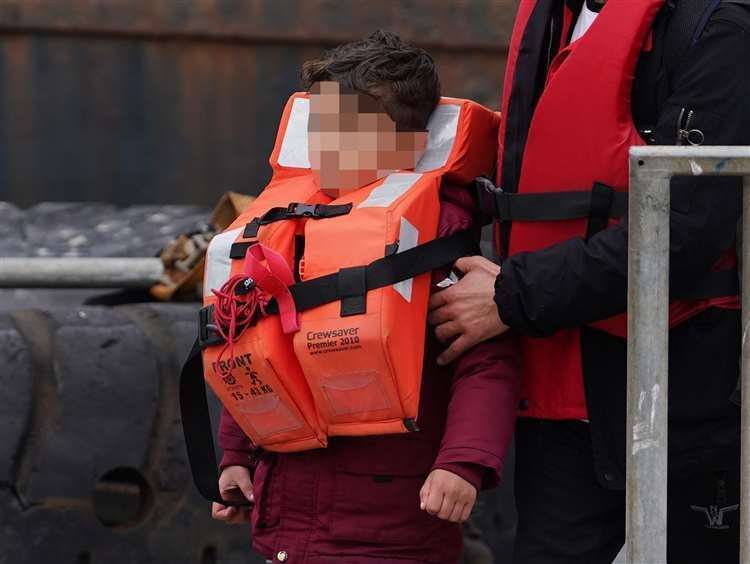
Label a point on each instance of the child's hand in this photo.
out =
(448, 496)
(234, 483)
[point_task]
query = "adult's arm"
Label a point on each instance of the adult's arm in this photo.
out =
(578, 282)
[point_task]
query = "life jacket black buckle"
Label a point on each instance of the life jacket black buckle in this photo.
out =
(489, 198)
(208, 335)
(246, 287)
(303, 210)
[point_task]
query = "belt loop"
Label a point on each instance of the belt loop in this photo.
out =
(503, 205)
(251, 229)
(352, 286)
(599, 210)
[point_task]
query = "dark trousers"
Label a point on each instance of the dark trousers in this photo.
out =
(566, 516)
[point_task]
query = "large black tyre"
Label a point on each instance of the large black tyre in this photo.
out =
(93, 466)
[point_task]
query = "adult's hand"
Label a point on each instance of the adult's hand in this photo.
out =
(465, 314)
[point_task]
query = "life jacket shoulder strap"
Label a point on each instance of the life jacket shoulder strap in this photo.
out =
(196, 427)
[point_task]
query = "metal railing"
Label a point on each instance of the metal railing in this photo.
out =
(648, 305)
(100, 272)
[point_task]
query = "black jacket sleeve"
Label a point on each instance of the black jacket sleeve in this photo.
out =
(577, 282)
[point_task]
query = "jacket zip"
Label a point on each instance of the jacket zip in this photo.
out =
(684, 133)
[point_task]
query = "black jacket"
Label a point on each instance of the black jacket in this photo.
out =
(577, 281)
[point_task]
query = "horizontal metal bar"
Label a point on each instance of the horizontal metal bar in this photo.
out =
(80, 272)
(667, 161)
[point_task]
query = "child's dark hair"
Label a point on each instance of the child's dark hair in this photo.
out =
(402, 77)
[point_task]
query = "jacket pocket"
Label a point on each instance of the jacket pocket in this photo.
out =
(265, 513)
(376, 494)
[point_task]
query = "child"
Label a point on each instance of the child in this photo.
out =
(390, 498)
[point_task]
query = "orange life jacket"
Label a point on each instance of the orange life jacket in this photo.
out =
(343, 286)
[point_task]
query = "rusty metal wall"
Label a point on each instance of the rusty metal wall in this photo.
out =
(175, 101)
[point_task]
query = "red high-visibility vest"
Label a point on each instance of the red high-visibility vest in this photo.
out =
(577, 141)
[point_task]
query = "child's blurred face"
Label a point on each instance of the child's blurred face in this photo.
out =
(352, 141)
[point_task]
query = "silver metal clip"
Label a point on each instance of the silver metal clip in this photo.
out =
(694, 137)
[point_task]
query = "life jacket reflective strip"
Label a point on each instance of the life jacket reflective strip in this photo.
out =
(354, 365)
(578, 137)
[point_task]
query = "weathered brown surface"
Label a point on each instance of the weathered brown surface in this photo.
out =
(155, 101)
(478, 24)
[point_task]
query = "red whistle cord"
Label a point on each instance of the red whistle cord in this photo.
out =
(234, 312)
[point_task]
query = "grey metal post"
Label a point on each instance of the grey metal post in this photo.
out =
(648, 273)
(648, 298)
(745, 368)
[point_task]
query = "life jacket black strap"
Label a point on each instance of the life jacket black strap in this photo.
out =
(549, 206)
(598, 205)
(295, 210)
(352, 284)
(196, 427)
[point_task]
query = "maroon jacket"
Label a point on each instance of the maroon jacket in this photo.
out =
(358, 500)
